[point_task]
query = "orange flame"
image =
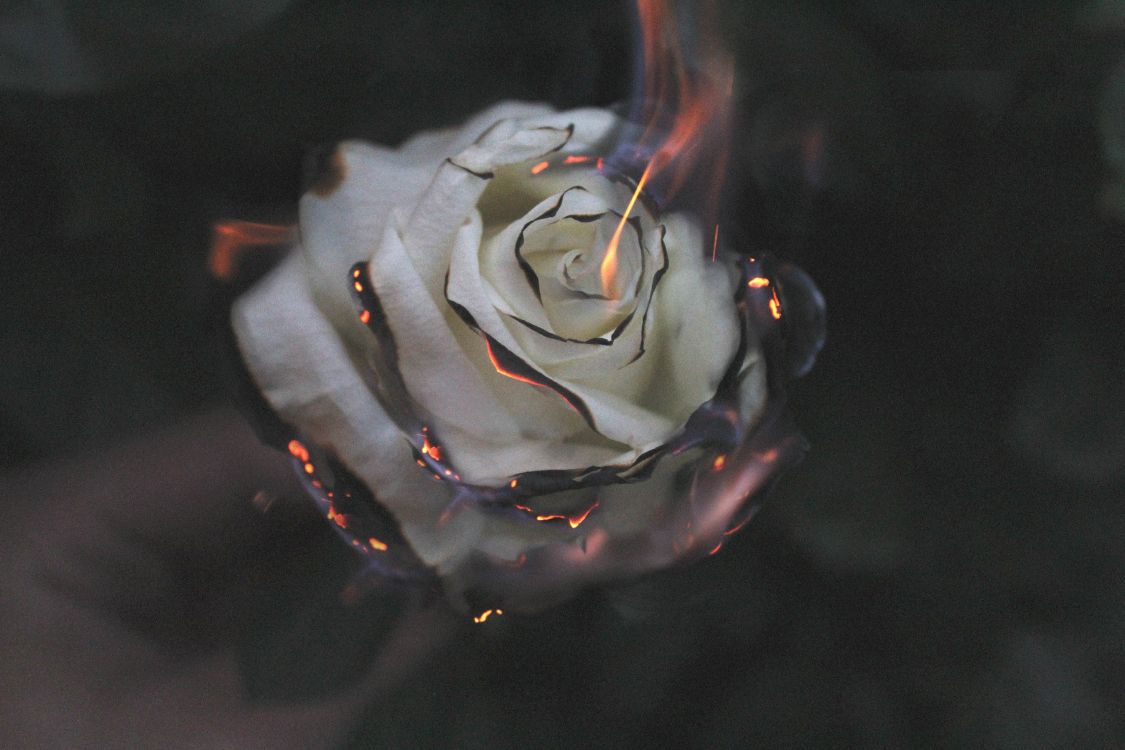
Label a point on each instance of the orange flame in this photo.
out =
(232, 238)
(758, 282)
(339, 519)
(576, 521)
(609, 262)
(699, 101)
(429, 449)
(377, 545)
(298, 450)
(483, 616)
(540, 167)
(775, 306)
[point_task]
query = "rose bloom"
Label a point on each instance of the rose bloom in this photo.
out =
(450, 331)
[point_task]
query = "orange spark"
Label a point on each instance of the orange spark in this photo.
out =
(540, 167)
(309, 468)
(758, 282)
(365, 317)
(775, 306)
(525, 509)
(576, 159)
(737, 527)
(231, 238)
(719, 462)
(551, 517)
(297, 450)
(609, 262)
(715, 549)
(576, 521)
(715, 244)
(486, 614)
(429, 449)
(338, 518)
(377, 545)
(358, 286)
(513, 483)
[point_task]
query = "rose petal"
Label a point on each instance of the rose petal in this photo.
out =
(302, 369)
(693, 330)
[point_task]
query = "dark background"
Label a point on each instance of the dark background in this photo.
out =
(946, 569)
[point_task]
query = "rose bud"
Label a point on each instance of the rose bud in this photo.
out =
(502, 366)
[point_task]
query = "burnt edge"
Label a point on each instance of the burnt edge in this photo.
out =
(517, 366)
(481, 175)
(656, 278)
(528, 271)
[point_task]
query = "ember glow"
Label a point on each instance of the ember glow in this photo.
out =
(609, 261)
(687, 93)
(483, 616)
(231, 239)
(429, 449)
(775, 306)
(573, 521)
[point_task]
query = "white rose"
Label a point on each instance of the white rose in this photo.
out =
(451, 313)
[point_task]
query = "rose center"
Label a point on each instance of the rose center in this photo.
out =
(566, 256)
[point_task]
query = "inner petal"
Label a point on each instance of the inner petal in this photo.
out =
(568, 257)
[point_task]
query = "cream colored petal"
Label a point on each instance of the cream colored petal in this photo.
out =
(693, 330)
(439, 375)
(341, 227)
(615, 417)
(304, 372)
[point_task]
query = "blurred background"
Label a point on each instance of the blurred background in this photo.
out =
(946, 569)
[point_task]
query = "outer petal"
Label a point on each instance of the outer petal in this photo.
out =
(303, 370)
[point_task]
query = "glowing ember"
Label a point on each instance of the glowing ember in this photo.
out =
(365, 317)
(429, 449)
(508, 373)
(298, 451)
(232, 238)
(609, 262)
(483, 616)
(758, 282)
(715, 244)
(358, 286)
(715, 549)
(540, 167)
(513, 483)
(338, 518)
(719, 462)
(576, 159)
(775, 306)
(309, 468)
(576, 521)
(377, 545)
